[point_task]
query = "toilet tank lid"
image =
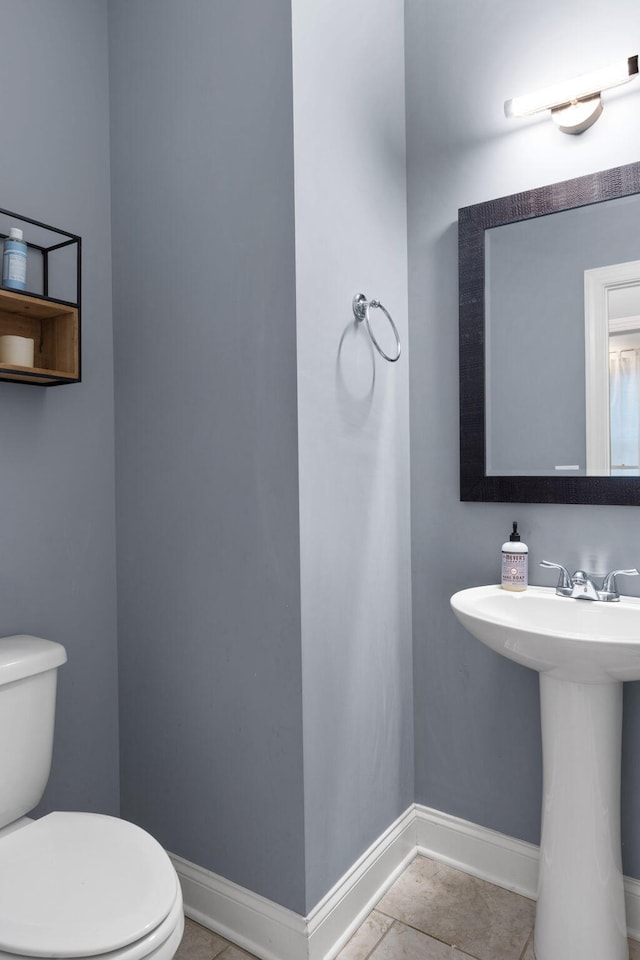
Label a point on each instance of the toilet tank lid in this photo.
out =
(24, 656)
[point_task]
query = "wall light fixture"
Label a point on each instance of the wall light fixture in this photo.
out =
(574, 104)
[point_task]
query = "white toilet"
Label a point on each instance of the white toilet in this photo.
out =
(72, 885)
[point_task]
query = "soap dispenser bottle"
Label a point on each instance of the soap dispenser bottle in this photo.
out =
(515, 562)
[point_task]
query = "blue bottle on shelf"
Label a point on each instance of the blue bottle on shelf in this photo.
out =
(14, 261)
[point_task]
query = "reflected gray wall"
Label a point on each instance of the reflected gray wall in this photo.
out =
(477, 714)
(57, 562)
(534, 300)
(208, 549)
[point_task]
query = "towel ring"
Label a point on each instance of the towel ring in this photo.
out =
(361, 307)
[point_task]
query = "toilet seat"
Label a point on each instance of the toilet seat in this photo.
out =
(160, 944)
(82, 885)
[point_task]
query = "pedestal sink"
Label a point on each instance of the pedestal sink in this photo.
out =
(583, 651)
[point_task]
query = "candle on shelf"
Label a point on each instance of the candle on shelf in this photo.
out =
(16, 350)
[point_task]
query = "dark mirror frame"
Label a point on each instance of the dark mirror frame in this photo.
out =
(472, 223)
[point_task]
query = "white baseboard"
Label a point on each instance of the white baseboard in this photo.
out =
(252, 922)
(484, 853)
(272, 932)
(503, 860)
(342, 910)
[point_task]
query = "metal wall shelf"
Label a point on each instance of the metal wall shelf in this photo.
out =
(54, 262)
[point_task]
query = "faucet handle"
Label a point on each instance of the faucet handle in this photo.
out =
(565, 583)
(610, 586)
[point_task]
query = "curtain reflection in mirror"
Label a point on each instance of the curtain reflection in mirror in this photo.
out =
(624, 381)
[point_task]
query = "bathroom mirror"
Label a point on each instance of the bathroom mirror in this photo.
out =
(548, 281)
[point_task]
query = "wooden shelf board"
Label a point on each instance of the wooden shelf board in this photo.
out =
(31, 306)
(39, 372)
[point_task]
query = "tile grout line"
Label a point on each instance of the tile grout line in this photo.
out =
(445, 943)
(233, 946)
(379, 942)
(423, 933)
(528, 941)
(452, 946)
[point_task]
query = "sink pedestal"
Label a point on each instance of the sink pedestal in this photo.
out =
(580, 913)
(583, 651)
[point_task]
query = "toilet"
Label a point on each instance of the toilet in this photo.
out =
(72, 885)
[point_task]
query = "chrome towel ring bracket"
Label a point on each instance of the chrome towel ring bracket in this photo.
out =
(361, 307)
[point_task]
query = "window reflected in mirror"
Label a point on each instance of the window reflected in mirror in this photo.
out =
(612, 369)
(624, 380)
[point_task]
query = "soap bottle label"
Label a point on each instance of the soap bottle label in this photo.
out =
(14, 265)
(515, 569)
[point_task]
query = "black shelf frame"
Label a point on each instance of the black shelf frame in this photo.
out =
(70, 240)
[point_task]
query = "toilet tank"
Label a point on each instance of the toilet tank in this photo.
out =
(28, 673)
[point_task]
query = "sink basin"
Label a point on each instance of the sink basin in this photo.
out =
(582, 651)
(583, 640)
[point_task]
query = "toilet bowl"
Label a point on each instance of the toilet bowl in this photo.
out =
(73, 886)
(82, 885)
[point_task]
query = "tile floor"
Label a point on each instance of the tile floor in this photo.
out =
(432, 912)
(201, 944)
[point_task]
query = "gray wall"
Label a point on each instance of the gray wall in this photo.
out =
(477, 715)
(208, 531)
(210, 608)
(57, 562)
(353, 414)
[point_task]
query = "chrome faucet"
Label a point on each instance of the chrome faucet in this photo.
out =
(586, 586)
